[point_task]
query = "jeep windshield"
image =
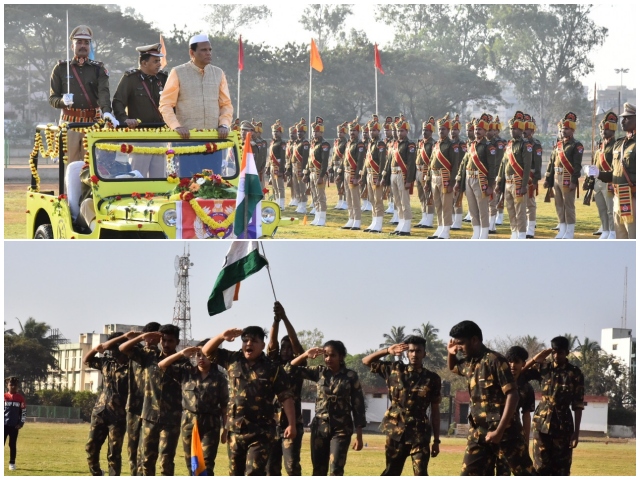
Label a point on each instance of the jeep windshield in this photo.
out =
(149, 160)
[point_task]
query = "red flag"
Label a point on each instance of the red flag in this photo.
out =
(376, 58)
(163, 60)
(316, 61)
(240, 55)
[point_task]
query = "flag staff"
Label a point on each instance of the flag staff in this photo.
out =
(240, 68)
(68, 60)
(269, 272)
(376, 72)
(310, 81)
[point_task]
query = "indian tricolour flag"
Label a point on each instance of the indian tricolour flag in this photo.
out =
(248, 221)
(242, 261)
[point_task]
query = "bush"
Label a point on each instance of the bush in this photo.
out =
(85, 402)
(58, 398)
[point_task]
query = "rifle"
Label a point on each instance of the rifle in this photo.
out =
(590, 182)
(549, 195)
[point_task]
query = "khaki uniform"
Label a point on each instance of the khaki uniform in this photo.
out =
(443, 165)
(374, 165)
(277, 164)
(299, 159)
(94, 78)
(476, 182)
(108, 418)
(624, 203)
(562, 388)
(339, 409)
(461, 146)
(422, 173)
(515, 171)
(251, 415)
(261, 160)
(490, 379)
(500, 144)
(536, 175)
(404, 151)
(352, 165)
(317, 170)
(405, 423)
(561, 175)
(339, 150)
(289, 172)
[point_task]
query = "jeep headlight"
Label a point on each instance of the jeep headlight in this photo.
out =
(268, 215)
(170, 217)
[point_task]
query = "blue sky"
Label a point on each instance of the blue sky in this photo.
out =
(353, 291)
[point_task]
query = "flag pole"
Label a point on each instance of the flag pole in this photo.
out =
(375, 69)
(68, 60)
(269, 272)
(310, 82)
(238, 102)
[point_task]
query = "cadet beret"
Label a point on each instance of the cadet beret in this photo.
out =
(247, 125)
(483, 121)
(517, 121)
(198, 39)
(235, 127)
(154, 50)
(81, 31)
(444, 122)
(610, 122)
(318, 125)
(455, 125)
(429, 124)
(277, 127)
(257, 126)
(302, 125)
(629, 110)
(570, 120)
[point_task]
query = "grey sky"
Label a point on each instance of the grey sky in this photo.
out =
(352, 291)
(614, 54)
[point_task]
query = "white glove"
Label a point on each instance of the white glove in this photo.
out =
(67, 99)
(590, 170)
(111, 118)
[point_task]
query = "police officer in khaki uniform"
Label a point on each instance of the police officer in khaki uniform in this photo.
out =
(276, 163)
(261, 154)
(443, 165)
(137, 98)
(425, 146)
(365, 205)
(515, 172)
(536, 174)
(476, 177)
(291, 144)
(401, 173)
(496, 204)
(389, 140)
(88, 99)
(316, 171)
(339, 149)
(299, 164)
(374, 165)
(563, 174)
(353, 163)
(623, 176)
(471, 136)
(459, 150)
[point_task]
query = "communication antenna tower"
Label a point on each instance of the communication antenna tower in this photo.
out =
(182, 307)
(624, 301)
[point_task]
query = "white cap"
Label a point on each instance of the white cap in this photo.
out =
(198, 39)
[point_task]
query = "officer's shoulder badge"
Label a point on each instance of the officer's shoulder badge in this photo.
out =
(411, 147)
(492, 150)
(325, 147)
(463, 146)
(133, 71)
(529, 148)
(500, 145)
(456, 149)
(579, 147)
(539, 152)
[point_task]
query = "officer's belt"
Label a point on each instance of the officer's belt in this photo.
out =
(473, 173)
(396, 170)
(71, 114)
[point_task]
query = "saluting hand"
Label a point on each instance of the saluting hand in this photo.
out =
(397, 349)
(189, 351)
(100, 348)
(452, 348)
(150, 336)
(132, 334)
(231, 334)
(314, 352)
(542, 355)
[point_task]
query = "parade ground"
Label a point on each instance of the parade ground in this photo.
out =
(58, 449)
(587, 219)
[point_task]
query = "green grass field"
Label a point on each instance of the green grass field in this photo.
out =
(58, 449)
(588, 220)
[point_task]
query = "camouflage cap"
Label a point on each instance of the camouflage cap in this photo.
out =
(81, 32)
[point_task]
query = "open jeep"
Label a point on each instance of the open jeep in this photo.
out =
(145, 183)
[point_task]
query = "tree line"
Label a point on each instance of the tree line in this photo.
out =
(444, 58)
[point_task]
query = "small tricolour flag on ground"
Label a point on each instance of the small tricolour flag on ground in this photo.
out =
(197, 456)
(249, 196)
(242, 261)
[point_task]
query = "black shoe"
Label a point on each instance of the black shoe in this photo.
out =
(456, 228)
(597, 233)
(465, 220)
(375, 231)
(433, 236)
(404, 234)
(394, 223)
(428, 226)
(355, 228)
(394, 233)
(419, 225)
(498, 224)
(367, 230)
(345, 228)
(529, 236)
(493, 232)
(556, 228)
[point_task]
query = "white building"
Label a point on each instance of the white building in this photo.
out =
(71, 373)
(620, 343)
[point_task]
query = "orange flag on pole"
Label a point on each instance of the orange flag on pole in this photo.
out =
(376, 56)
(316, 61)
(163, 60)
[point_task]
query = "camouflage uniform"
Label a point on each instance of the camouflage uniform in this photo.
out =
(526, 403)
(134, 410)
(161, 412)
(108, 417)
(562, 387)
(406, 424)
(283, 447)
(339, 396)
(251, 423)
(490, 379)
(203, 399)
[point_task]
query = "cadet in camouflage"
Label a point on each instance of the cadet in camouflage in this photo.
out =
(555, 435)
(205, 394)
(339, 397)
(494, 398)
(412, 390)
(108, 418)
(254, 383)
(161, 409)
(289, 349)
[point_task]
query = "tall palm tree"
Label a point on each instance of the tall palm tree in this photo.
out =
(396, 335)
(587, 348)
(435, 349)
(37, 331)
(531, 344)
(573, 341)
